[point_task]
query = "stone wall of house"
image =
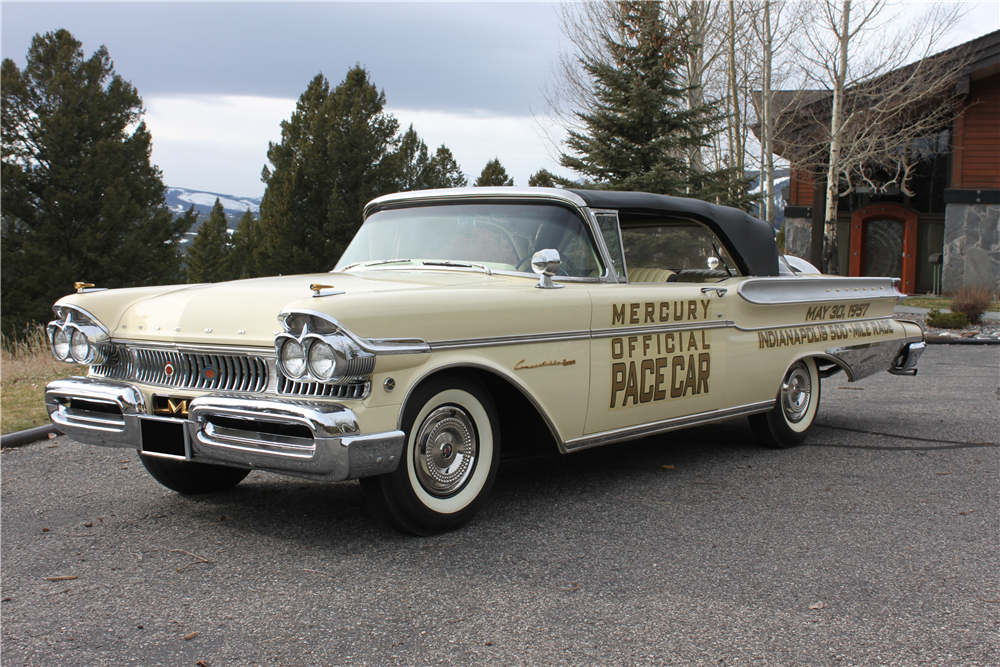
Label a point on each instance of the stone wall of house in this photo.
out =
(971, 246)
(798, 237)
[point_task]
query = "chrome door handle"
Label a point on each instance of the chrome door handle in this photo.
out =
(721, 291)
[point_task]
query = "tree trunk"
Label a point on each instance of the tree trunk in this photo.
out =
(831, 255)
(698, 22)
(767, 126)
(736, 148)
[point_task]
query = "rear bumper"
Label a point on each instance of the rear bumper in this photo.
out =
(308, 439)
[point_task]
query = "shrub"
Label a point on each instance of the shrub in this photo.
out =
(939, 320)
(779, 238)
(972, 301)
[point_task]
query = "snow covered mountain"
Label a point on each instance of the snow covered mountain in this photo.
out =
(181, 199)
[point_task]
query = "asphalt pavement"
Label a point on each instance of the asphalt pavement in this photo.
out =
(875, 543)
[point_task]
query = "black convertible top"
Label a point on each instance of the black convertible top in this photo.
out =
(751, 240)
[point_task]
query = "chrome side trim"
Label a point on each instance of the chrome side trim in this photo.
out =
(494, 341)
(773, 291)
(660, 328)
(654, 428)
(798, 324)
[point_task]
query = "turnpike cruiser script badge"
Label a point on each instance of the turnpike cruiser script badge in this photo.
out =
(467, 324)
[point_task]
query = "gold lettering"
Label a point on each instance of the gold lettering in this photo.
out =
(659, 393)
(631, 386)
(633, 317)
(704, 368)
(675, 389)
(650, 313)
(617, 381)
(690, 382)
(645, 395)
(617, 316)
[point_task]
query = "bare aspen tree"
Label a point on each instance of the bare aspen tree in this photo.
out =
(877, 105)
(699, 17)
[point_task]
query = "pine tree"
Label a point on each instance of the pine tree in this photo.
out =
(80, 199)
(542, 178)
(243, 254)
(208, 256)
(413, 162)
(443, 171)
(493, 174)
(420, 171)
(337, 152)
(638, 127)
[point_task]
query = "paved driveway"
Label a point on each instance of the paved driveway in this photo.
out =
(874, 544)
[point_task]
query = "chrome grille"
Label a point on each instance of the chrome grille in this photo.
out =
(188, 370)
(351, 390)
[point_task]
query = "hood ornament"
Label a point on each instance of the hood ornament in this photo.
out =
(81, 287)
(317, 290)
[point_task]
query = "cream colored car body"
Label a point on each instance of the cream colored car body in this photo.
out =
(599, 359)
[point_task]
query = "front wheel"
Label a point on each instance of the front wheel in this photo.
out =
(190, 477)
(449, 462)
(788, 422)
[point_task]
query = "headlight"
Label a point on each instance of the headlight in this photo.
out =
(60, 344)
(79, 346)
(322, 361)
(293, 360)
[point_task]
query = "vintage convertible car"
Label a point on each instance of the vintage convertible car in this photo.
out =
(432, 347)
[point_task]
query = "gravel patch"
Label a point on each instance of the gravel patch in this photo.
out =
(986, 328)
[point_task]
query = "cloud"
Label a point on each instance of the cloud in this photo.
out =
(477, 137)
(219, 143)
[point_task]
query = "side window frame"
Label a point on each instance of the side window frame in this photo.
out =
(610, 231)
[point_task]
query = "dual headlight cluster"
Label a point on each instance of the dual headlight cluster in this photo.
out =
(75, 340)
(326, 358)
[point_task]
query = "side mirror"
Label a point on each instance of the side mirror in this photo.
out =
(546, 264)
(713, 263)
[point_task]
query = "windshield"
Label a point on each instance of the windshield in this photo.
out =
(502, 237)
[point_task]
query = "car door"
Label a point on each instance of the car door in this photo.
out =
(658, 345)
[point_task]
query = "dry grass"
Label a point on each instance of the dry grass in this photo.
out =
(26, 366)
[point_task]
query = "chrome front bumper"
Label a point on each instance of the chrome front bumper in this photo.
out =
(301, 438)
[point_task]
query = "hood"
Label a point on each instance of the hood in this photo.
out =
(245, 312)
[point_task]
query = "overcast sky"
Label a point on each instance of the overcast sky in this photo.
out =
(217, 78)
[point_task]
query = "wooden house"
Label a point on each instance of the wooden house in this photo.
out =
(955, 210)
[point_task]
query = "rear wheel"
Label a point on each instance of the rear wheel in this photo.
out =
(788, 422)
(449, 462)
(189, 477)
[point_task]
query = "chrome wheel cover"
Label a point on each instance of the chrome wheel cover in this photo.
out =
(445, 451)
(796, 393)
